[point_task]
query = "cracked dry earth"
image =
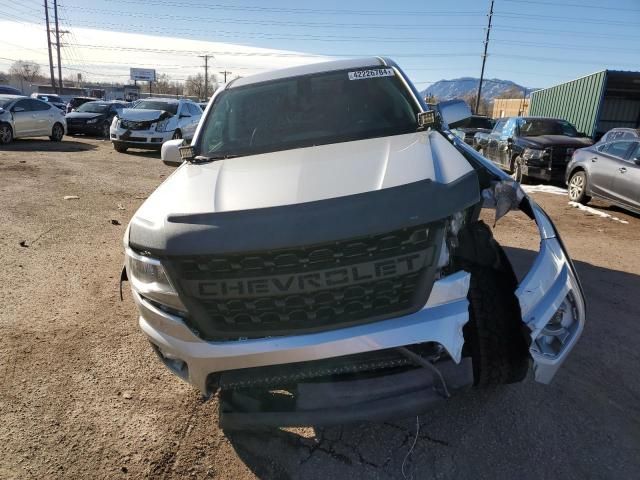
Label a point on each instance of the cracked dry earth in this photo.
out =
(82, 395)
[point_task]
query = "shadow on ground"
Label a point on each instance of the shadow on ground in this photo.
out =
(46, 145)
(585, 424)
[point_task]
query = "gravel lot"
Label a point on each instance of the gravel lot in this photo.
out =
(83, 396)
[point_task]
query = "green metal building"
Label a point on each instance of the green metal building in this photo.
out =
(594, 104)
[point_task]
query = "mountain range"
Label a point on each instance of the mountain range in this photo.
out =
(467, 86)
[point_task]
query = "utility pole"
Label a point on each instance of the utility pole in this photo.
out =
(46, 17)
(206, 75)
(225, 73)
(484, 57)
(55, 13)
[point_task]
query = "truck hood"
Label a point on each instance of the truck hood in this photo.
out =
(304, 175)
(544, 141)
(143, 115)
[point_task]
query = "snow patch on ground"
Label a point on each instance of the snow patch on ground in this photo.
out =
(544, 189)
(593, 211)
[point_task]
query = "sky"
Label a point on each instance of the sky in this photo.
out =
(536, 43)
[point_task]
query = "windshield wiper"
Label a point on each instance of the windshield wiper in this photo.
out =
(211, 158)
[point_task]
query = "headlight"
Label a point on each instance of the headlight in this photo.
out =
(533, 154)
(161, 126)
(93, 120)
(148, 278)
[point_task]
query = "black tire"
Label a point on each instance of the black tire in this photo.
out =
(517, 171)
(57, 132)
(119, 148)
(577, 188)
(177, 135)
(493, 332)
(495, 337)
(6, 134)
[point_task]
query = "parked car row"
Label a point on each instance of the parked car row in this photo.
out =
(552, 149)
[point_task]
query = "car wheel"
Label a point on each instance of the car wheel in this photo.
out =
(494, 337)
(106, 129)
(6, 134)
(119, 148)
(177, 135)
(57, 132)
(578, 188)
(518, 174)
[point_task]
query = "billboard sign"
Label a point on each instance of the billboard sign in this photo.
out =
(143, 74)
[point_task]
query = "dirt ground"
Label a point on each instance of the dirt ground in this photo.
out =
(83, 396)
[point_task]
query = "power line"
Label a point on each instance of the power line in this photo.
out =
(578, 5)
(305, 11)
(552, 18)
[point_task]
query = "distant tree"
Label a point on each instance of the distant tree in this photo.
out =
(25, 71)
(512, 92)
(4, 78)
(194, 86)
(484, 108)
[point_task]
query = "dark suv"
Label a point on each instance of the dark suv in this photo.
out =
(531, 146)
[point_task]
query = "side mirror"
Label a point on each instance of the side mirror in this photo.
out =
(636, 160)
(170, 152)
(17, 109)
(454, 112)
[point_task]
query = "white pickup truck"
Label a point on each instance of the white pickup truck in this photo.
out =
(318, 256)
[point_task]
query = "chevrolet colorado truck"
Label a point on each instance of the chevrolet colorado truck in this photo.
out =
(318, 258)
(531, 147)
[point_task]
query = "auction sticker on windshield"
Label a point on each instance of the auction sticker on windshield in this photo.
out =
(378, 72)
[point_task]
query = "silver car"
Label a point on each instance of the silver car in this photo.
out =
(28, 117)
(609, 171)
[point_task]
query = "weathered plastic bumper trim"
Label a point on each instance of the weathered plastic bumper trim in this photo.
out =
(441, 321)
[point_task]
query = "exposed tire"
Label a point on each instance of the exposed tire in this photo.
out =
(6, 134)
(119, 148)
(518, 171)
(177, 135)
(57, 132)
(494, 335)
(577, 188)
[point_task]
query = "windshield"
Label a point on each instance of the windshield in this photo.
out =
(480, 122)
(170, 107)
(535, 127)
(50, 98)
(307, 110)
(92, 107)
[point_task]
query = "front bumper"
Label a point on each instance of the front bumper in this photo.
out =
(192, 359)
(87, 128)
(544, 173)
(147, 139)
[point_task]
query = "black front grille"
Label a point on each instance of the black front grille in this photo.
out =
(133, 125)
(308, 288)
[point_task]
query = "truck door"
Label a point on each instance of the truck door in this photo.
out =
(503, 156)
(494, 138)
(626, 180)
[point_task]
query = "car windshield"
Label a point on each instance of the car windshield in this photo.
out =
(480, 122)
(50, 98)
(535, 127)
(308, 110)
(93, 107)
(170, 107)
